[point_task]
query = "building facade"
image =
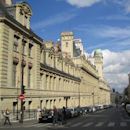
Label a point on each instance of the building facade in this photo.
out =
(50, 73)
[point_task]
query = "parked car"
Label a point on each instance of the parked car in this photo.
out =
(47, 116)
(68, 113)
(73, 111)
(128, 108)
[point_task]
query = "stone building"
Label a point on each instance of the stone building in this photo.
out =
(50, 73)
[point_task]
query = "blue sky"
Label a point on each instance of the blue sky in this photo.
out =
(101, 24)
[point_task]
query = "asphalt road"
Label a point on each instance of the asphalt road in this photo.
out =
(110, 119)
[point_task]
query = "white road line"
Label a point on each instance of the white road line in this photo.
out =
(42, 125)
(123, 124)
(37, 125)
(77, 124)
(88, 124)
(69, 123)
(111, 124)
(99, 124)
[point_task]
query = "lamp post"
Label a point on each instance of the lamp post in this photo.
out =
(17, 100)
(79, 95)
(93, 97)
(22, 91)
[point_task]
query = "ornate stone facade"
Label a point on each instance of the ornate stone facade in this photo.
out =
(51, 74)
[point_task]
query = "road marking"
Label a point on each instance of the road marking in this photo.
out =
(123, 124)
(111, 124)
(69, 123)
(38, 125)
(99, 124)
(76, 124)
(88, 124)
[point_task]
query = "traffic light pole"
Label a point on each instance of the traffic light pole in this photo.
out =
(22, 92)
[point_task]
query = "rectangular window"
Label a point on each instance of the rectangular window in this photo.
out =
(29, 52)
(41, 80)
(15, 47)
(29, 77)
(23, 49)
(14, 75)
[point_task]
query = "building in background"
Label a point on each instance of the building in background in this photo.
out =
(53, 74)
(93, 87)
(78, 48)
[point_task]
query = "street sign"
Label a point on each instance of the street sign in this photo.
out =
(21, 97)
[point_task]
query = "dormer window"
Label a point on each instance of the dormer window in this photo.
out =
(24, 14)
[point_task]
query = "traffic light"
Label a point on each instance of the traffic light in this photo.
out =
(23, 89)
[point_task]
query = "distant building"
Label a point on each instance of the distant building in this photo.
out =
(78, 48)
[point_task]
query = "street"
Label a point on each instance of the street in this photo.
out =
(112, 118)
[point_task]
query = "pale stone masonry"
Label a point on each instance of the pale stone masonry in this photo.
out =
(52, 74)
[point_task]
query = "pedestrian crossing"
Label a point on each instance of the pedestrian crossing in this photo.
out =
(74, 125)
(100, 124)
(88, 124)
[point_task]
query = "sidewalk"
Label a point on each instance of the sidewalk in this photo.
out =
(16, 123)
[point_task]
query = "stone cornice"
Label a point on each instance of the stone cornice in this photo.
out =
(93, 75)
(63, 74)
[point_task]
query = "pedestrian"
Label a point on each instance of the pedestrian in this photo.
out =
(7, 117)
(55, 115)
(39, 114)
(60, 117)
(64, 115)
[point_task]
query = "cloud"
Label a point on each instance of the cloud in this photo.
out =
(112, 32)
(116, 68)
(123, 3)
(105, 31)
(56, 19)
(113, 37)
(127, 6)
(83, 3)
(115, 17)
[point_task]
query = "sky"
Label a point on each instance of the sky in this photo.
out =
(103, 24)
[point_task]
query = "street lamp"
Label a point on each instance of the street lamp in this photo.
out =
(22, 84)
(22, 73)
(79, 95)
(93, 97)
(17, 103)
